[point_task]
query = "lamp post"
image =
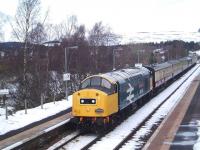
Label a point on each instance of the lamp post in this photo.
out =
(66, 75)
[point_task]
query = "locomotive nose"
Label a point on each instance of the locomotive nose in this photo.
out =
(93, 103)
(85, 102)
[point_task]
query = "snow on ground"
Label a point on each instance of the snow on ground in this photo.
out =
(2, 111)
(20, 119)
(197, 52)
(114, 137)
(146, 37)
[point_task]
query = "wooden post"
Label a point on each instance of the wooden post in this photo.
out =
(42, 100)
(54, 98)
(6, 111)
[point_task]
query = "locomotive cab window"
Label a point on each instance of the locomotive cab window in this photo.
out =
(85, 84)
(95, 81)
(100, 84)
(106, 84)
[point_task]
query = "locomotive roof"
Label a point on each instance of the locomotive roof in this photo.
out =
(121, 75)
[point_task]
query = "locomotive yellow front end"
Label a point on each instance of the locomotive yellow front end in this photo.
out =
(95, 102)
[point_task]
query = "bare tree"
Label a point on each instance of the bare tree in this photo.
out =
(79, 34)
(59, 31)
(38, 34)
(101, 35)
(26, 19)
(50, 32)
(66, 30)
(71, 26)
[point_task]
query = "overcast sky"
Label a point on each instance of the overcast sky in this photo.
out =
(123, 16)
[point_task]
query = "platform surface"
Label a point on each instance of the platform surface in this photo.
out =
(179, 129)
(33, 131)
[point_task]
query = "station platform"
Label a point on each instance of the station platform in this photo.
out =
(12, 141)
(179, 130)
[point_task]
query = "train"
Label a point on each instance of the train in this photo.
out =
(104, 99)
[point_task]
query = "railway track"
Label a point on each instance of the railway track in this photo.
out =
(132, 134)
(76, 139)
(85, 141)
(65, 140)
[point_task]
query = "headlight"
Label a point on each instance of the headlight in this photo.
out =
(87, 101)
